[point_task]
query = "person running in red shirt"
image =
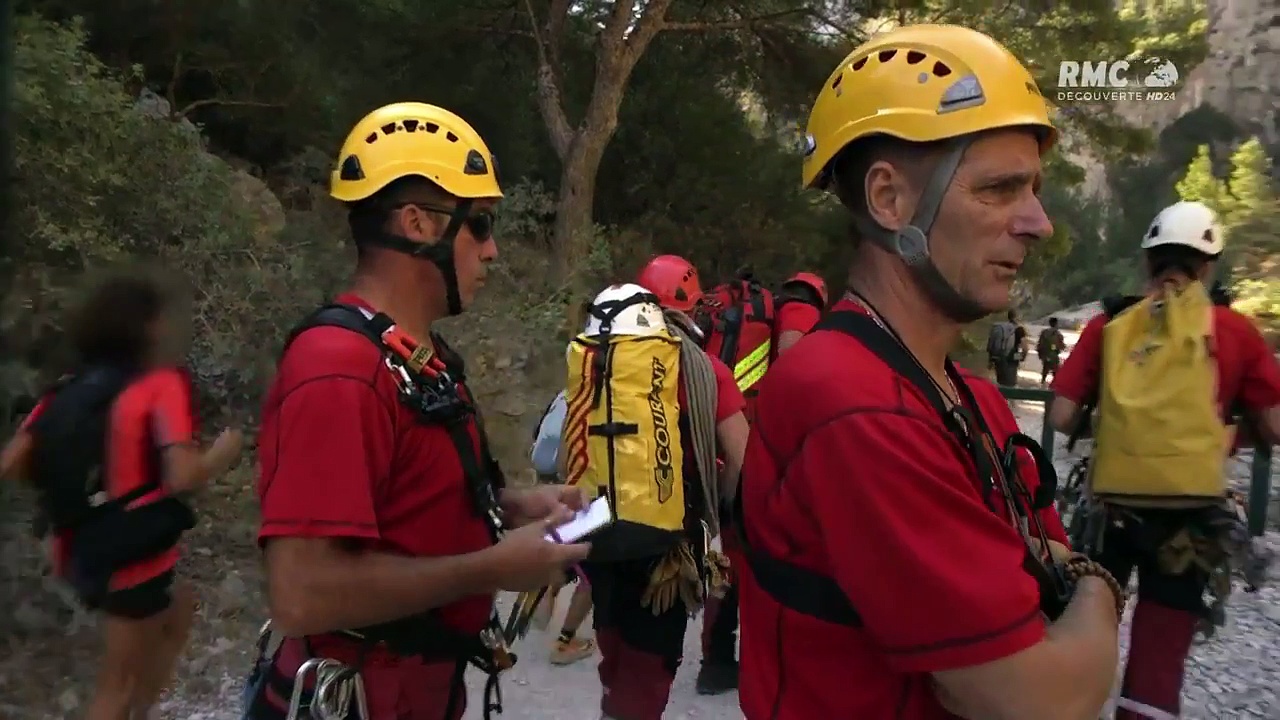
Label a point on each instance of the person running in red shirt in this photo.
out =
(128, 339)
(904, 560)
(386, 526)
(1183, 245)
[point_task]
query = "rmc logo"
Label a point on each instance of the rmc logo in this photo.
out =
(1115, 74)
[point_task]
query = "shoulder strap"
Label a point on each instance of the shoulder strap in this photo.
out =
(1112, 305)
(758, 301)
(794, 587)
(450, 357)
(483, 474)
(347, 317)
(883, 345)
(957, 420)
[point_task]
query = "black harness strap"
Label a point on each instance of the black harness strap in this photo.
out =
(818, 595)
(445, 401)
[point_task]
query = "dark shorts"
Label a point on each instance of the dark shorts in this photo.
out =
(144, 600)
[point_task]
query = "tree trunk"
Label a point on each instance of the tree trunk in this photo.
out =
(574, 231)
(8, 238)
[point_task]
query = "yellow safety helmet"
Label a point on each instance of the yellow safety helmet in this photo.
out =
(411, 138)
(921, 83)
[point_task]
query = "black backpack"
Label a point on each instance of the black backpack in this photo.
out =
(68, 460)
(70, 445)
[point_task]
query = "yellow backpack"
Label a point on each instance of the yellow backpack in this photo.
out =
(622, 438)
(1161, 440)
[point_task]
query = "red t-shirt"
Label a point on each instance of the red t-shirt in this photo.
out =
(851, 473)
(342, 457)
(1247, 371)
(729, 398)
(797, 315)
(152, 413)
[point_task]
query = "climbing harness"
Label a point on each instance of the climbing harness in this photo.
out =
(337, 686)
(432, 385)
(818, 595)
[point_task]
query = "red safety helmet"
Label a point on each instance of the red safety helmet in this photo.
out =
(813, 281)
(674, 280)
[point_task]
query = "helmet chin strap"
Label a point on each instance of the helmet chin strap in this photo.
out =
(439, 253)
(911, 243)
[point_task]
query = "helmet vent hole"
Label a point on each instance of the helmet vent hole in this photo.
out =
(475, 164)
(1031, 88)
(350, 169)
(915, 57)
(451, 137)
(835, 84)
(431, 128)
(941, 70)
(371, 138)
(388, 128)
(886, 55)
(859, 63)
(410, 125)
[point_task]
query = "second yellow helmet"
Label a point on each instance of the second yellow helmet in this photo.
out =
(921, 83)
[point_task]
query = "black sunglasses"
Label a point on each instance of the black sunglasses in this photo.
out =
(480, 224)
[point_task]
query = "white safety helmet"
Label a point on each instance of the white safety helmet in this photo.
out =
(625, 310)
(1190, 224)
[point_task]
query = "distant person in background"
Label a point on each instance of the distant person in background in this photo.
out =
(1006, 349)
(568, 648)
(1049, 349)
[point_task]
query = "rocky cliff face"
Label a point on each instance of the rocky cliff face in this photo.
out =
(1240, 76)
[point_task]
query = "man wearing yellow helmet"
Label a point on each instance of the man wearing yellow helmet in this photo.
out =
(904, 561)
(384, 516)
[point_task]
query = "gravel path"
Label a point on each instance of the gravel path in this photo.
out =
(1236, 675)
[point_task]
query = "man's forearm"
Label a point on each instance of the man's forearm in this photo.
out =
(1066, 676)
(348, 590)
(1087, 638)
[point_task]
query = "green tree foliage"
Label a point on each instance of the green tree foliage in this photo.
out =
(1246, 201)
(1199, 183)
(683, 123)
(101, 180)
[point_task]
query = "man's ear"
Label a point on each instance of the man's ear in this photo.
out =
(888, 196)
(419, 225)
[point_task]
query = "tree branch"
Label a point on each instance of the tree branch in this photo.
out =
(556, 16)
(652, 21)
(171, 90)
(220, 102)
(550, 100)
(740, 23)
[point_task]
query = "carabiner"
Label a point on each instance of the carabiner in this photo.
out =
(311, 667)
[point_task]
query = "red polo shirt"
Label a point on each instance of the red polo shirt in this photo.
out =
(342, 457)
(155, 411)
(851, 473)
(729, 400)
(797, 315)
(1247, 371)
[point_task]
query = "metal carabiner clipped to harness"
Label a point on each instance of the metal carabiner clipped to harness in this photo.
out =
(336, 687)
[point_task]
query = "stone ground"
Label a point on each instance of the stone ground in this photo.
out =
(44, 661)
